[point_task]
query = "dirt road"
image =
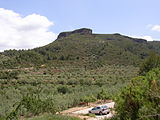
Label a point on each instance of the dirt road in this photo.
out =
(82, 112)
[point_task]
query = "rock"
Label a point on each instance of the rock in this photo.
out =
(82, 31)
(139, 40)
(117, 34)
(64, 34)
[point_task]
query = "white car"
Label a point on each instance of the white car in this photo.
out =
(100, 110)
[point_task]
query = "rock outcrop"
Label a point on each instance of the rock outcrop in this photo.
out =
(139, 40)
(82, 31)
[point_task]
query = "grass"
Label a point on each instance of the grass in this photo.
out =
(64, 86)
(90, 115)
(53, 117)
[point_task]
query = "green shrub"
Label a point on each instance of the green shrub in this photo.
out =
(33, 105)
(102, 95)
(153, 61)
(63, 89)
(140, 99)
(9, 74)
(53, 117)
(88, 99)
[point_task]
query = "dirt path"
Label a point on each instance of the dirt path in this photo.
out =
(82, 112)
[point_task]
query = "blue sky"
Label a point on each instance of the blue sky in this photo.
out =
(137, 18)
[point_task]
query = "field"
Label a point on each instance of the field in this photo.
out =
(36, 91)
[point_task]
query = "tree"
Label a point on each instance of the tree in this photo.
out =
(153, 61)
(88, 99)
(102, 95)
(140, 100)
(63, 89)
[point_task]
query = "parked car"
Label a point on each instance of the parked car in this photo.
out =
(100, 110)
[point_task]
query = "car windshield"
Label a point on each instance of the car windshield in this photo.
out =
(95, 108)
(104, 106)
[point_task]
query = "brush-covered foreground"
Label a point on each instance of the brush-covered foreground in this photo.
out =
(33, 91)
(53, 117)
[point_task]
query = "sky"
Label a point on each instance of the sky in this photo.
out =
(27, 24)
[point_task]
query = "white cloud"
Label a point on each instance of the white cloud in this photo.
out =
(156, 28)
(148, 38)
(17, 32)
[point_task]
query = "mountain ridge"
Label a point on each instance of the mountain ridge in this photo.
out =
(84, 48)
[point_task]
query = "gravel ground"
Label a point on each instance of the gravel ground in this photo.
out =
(82, 112)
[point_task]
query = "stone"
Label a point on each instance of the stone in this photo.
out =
(82, 31)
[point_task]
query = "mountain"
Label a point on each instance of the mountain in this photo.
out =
(81, 47)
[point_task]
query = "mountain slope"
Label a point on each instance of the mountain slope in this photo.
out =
(101, 48)
(82, 47)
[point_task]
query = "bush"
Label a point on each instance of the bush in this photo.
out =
(63, 89)
(102, 95)
(88, 99)
(153, 61)
(33, 105)
(140, 100)
(9, 74)
(53, 117)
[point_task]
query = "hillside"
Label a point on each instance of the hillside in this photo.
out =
(84, 48)
(78, 67)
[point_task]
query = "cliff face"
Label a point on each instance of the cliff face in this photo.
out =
(82, 31)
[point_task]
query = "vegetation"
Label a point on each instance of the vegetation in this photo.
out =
(102, 95)
(153, 61)
(88, 51)
(87, 99)
(140, 99)
(81, 68)
(9, 74)
(53, 117)
(50, 90)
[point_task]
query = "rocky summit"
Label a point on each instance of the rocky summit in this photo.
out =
(82, 31)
